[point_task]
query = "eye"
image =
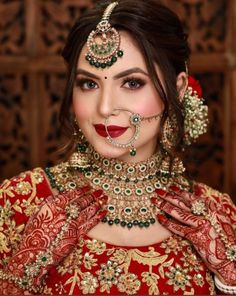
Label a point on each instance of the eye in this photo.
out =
(86, 84)
(133, 83)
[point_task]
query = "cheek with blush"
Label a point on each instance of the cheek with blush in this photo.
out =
(150, 107)
(82, 111)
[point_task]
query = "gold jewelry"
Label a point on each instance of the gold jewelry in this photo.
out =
(129, 186)
(104, 43)
(43, 258)
(195, 116)
(135, 120)
(78, 159)
(168, 138)
(199, 208)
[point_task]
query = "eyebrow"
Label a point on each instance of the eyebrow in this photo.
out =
(117, 76)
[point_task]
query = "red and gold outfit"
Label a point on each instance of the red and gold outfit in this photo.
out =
(96, 267)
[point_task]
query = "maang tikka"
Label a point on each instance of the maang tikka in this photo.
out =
(104, 43)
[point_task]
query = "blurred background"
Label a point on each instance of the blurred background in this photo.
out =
(32, 79)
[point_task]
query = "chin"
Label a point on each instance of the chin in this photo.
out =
(108, 151)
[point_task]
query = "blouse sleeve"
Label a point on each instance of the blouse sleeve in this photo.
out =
(20, 197)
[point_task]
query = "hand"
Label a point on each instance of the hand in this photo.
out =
(205, 224)
(52, 233)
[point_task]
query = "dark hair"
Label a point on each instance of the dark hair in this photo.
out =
(160, 36)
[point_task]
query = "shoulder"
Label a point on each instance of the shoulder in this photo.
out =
(25, 189)
(63, 177)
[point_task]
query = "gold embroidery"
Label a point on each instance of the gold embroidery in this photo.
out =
(178, 277)
(152, 281)
(108, 275)
(198, 279)
(210, 281)
(191, 261)
(128, 283)
(23, 188)
(71, 262)
(96, 246)
(89, 261)
(10, 232)
(89, 283)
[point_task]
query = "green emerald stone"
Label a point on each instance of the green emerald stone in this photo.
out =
(120, 53)
(123, 223)
(152, 220)
(91, 62)
(104, 220)
(114, 59)
(130, 225)
(133, 152)
(110, 222)
(88, 57)
(146, 224)
(109, 64)
(140, 224)
(111, 208)
(103, 65)
(135, 222)
(82, 148)
(97, 65)
(128, 210)
(117, 221)
(44, 259)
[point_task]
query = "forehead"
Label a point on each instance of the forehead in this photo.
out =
(132, 57)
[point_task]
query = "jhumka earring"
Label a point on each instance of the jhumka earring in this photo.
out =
(104, 43)
(168, 139)
(79, 159)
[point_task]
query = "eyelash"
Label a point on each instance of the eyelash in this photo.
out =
(139, 81)
(81, 81)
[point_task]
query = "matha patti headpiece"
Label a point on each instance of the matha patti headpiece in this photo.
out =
(104, 43)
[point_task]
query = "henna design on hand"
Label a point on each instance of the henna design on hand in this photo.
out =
(200, 229)
(44, 228)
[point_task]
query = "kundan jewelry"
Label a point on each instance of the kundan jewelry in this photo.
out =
(104, 43)
(129, 186)
(135, 120)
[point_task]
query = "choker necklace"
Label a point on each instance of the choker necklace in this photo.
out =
(129, 186)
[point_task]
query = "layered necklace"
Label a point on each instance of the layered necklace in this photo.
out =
(129, 186)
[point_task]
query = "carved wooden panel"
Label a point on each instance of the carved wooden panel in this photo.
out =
(12, 28)
(205, 20)
(56, 18)
(14, 124)
(32, 34)
(205, 158)
(50, 95)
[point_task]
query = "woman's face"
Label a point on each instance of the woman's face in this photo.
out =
(101, 94)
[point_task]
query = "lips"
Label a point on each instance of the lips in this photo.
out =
(114, 130)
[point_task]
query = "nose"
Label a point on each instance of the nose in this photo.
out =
(106, 102)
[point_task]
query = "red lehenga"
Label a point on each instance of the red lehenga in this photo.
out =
(95, 267)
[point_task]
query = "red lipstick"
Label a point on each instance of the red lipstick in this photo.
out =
(114, 130)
